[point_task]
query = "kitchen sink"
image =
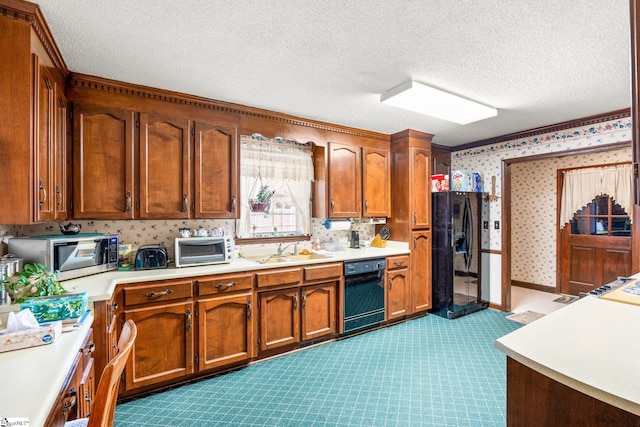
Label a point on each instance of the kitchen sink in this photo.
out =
(274, 259)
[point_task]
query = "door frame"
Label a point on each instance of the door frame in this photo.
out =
(505, 219)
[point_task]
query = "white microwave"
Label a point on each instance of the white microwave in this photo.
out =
(192, 251)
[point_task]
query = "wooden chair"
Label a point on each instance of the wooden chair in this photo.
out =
(104, 405)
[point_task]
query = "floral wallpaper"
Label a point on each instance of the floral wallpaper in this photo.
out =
(534, 213)
(488, 159)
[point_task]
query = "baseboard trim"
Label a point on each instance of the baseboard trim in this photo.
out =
(534, 286)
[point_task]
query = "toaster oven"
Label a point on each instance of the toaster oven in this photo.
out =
(192, 251)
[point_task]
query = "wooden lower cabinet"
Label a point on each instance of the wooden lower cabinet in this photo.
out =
(225, 330)
(164, 349)
(318, 314)
(279, 318)
(420, 246)
(398, 292)
(76, 398)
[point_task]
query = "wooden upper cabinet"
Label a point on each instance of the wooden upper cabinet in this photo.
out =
(60, 155)
(344, 181)
(103, 143)
(420, 181)
(217, 154)
(165, 167)
(376, 182)
(45, 134)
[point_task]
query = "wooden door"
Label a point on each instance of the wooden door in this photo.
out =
(164, 349)
(217, 180)
(420, 181)
(398, 293)
(420, 271)
(225, 330)
(44, 128)
(103, 163)
(344, 181)
(595, 247)
(279, 318)
(60, 154)
(165, 167)
(318, 310)
(376, 182)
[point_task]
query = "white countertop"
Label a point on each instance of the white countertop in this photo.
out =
(100, 287)
(31, 378)
(591, 345)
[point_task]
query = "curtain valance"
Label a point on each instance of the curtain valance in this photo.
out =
(581, 186)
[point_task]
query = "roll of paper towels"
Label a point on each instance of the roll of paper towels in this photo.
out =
(337, 225)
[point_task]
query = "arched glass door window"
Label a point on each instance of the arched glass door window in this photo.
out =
(601, 217)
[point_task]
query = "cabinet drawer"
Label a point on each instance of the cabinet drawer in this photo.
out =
(157, 292)
(323, 271)
(401, 261)
(224, 284)
(282, 276)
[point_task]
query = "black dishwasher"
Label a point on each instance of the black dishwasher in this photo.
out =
(363, 294)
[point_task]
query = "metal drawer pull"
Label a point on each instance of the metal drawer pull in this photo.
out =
(398, 262)
(159, 294)
(220, 286)
(90, 348)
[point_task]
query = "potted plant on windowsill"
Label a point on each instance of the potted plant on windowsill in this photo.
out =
(262, 201)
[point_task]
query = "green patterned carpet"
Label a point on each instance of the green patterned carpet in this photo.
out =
(425, 372)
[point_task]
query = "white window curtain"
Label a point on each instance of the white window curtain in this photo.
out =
(581, 186)
(282, 165)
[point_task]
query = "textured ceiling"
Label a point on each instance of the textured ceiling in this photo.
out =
(539, 62)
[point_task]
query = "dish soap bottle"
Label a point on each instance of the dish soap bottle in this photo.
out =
(317, 246)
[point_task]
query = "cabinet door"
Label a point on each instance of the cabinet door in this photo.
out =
(60, 154)
(164, 346)
(344, 181)
(225, 329)
(398, 293)
(421, 184)
(165, 167)
(217, 171)
(279, 318)
(44, 128)
(318, 310)
(420, 271)
(86, 391)
(103, 169)
(376, 184)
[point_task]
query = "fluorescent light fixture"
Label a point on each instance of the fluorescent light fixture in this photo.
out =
(433, 102)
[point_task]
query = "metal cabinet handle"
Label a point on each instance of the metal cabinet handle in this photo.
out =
(90, 348)
(70, 403)
(159, 294)
(43, 192)
(333, 205)
(233, 203)
(304, 300)
(219, 286)
(189, 320)
(415, 217)
(390, 282)
(366, 206)
(128, 201)
(415, 243)
(295, 302)
(185, 203)
(58, 197)
(249, 309)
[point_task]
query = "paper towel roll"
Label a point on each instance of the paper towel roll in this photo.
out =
(337, 224)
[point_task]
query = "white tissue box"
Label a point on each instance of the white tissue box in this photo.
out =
(46, 333)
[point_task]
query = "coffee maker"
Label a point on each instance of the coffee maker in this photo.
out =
(355, 239)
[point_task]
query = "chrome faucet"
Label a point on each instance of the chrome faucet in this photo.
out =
(281, 249)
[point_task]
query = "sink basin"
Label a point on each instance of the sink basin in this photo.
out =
(273, 259)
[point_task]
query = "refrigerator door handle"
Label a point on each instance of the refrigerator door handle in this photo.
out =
(468, 224)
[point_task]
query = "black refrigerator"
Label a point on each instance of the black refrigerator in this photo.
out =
(457, 286)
